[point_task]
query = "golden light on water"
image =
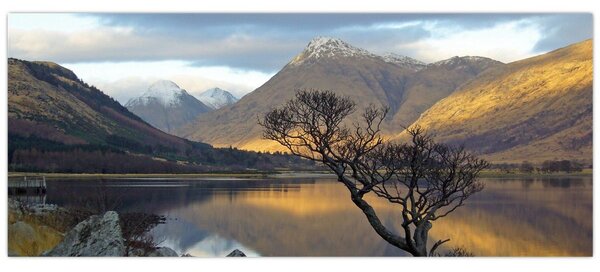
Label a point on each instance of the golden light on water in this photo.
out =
(509, 218)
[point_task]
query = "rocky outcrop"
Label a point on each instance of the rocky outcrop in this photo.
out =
(157, 252)
(99, 235)
(236, 253)
(163, 252)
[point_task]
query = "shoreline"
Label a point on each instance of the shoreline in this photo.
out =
(268, 174)
(250, 174)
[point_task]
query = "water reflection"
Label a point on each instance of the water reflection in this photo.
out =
(314, 217)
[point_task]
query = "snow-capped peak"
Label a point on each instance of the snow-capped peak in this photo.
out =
(217, 98)
(327, 47)
(165, 92)
(163, 85)
(404, 61)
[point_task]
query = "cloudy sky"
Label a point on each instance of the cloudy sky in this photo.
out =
(123, 53)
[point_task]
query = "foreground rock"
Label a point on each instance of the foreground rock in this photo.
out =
(163, 252)
(236, 253)
(95, 236)
(35, 230)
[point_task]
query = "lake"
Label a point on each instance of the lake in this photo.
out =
(313, 216)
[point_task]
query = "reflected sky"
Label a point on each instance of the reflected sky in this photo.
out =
(315, 217)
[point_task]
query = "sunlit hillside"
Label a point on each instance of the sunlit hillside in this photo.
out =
(534, 109)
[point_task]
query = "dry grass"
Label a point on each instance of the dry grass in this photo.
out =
(31, 235)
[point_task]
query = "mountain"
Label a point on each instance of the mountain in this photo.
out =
(58, 123)
(407, 86)
(217, 98)
(534, 109)
(166, 106)
(325, 63)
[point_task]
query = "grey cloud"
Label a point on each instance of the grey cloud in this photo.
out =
(101, 46)
(216, 22)
(384, 40)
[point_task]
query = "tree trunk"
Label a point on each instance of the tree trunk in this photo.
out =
(387, 235)
(420, 238)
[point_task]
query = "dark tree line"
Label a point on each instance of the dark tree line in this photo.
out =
(34, 154)
(427, 180)
(561, 166)
(548, 166)
(82, 161)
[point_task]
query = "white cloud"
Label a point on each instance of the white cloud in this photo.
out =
(65, 22)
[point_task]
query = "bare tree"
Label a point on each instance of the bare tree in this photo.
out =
(426, 179)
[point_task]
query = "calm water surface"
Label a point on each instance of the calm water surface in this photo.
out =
(315, 217)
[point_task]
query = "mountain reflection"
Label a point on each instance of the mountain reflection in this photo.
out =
(315, 217)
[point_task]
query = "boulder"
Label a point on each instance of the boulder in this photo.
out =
(163, 252)
(99, 235)
(236, 253)
(158, 252)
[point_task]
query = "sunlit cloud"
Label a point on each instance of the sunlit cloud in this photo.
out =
(447, 42)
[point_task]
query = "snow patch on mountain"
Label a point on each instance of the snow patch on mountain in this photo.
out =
(456, 60)
(217, 98)
(404, 61)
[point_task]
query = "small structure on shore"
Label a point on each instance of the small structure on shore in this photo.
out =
(28, 185)
(28, 189)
